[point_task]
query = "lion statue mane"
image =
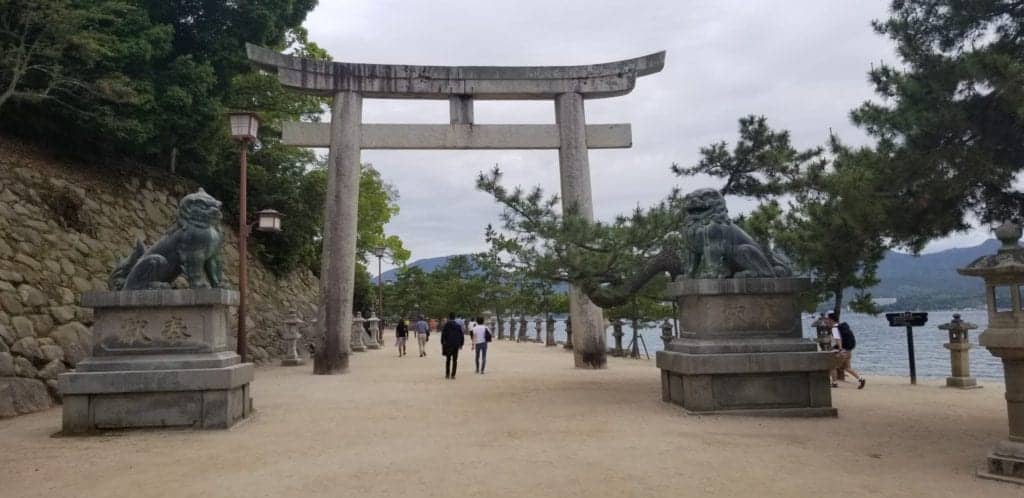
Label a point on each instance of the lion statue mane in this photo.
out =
(720, 249)
(191, 247)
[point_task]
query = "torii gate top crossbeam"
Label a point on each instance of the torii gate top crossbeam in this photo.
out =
(441, 82)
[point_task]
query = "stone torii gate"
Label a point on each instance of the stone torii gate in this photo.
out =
(346, 135)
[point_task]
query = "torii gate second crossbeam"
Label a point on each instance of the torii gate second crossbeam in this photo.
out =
(346, 136)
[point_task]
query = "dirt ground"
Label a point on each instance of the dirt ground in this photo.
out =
(531, 426)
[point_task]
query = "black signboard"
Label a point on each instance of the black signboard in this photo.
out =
(907, 319)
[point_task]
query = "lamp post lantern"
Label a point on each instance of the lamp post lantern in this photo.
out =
(244, 127)
(379, 252)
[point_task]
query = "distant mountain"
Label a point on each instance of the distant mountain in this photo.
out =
(930, 281)
(925, 282)
(427, 265)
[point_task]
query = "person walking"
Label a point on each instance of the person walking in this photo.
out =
(452, 339)
(843, 343)
(401, 334)
(422, 334)
(481, 336)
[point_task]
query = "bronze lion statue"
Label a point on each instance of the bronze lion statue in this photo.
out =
(720, 249)
(707, 244)
(191, 247)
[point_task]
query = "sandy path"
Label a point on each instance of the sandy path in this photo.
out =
(532, 426)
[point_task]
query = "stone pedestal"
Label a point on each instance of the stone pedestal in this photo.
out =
(160, 358)
(740, 350)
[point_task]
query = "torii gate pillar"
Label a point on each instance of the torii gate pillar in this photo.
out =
(349, 83)
(588, 339)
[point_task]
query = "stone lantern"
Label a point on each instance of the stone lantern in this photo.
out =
(524, 334)
(959, 353)
(291, 336)
(549, 336)
(666, 332)
(1004, 338)
(371, 330)
(568, 333)
(537, 325)
(617, 334)
(357, 334)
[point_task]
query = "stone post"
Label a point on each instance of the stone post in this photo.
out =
(524, 332)
(501, 327)
(371, 331)
(574, 169)
(338, 261)
(549, 339)
(617, 334)
(537, 324)
(291, 336)
(357, 334)
(568, 332)
(959, 353)
(512, 329)
(1004, 338)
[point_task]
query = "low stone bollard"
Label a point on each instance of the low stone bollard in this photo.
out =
(550, 329)
(568, 333)
(537, 326)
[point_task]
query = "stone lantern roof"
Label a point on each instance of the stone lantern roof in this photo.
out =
(1007, 262)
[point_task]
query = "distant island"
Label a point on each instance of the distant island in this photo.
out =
(908, 282)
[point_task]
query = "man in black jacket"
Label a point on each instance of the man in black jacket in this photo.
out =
(452, 339)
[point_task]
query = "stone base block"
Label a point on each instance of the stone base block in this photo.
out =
(1003, 468)
(962, 382)
(201, 398)
(791, 384)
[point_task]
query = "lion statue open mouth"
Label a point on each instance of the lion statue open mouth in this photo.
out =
(190, 247)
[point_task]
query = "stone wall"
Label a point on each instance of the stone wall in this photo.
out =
(63, 226)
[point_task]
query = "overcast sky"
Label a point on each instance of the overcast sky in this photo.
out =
(802, 64)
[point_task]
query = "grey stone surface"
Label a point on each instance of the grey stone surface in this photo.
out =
(7, 335)
(52, 370)
(1004, 338)
(23, 327)
(740, 351)
(442, 82)
(24, 368)
(588, 338)
(160, 298)
(458, 136)
(19, 396)
(6, 365)
(75, 340)
(157, 366)
(29, 348)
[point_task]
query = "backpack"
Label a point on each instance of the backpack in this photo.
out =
(846, 334)
(487, 335)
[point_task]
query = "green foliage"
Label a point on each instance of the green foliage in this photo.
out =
(543, 246)
(149, 82)
(951, 114)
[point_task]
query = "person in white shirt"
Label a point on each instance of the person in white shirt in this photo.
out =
(481, 336)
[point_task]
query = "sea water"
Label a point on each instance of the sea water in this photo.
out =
(881, 349)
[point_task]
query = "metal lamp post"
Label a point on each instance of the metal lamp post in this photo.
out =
(244, 128)
(379, 252)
